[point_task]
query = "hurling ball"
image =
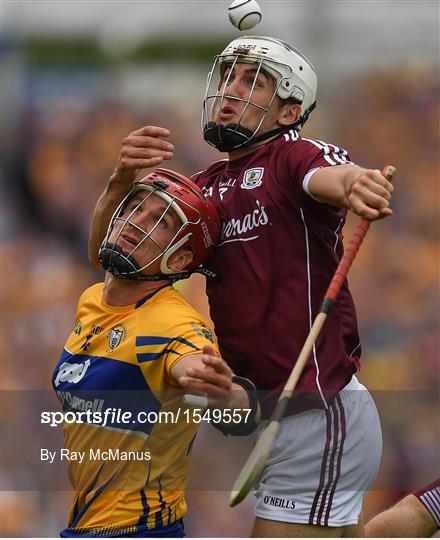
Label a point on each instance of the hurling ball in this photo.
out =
(244, 14)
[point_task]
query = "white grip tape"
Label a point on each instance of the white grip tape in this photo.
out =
(197, 401)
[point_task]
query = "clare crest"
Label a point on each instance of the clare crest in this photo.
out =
(252, 178)
(203, 331)
(117, 334)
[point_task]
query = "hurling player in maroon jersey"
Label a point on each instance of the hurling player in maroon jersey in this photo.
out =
(283, 200)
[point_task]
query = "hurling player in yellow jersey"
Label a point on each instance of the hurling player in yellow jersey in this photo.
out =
(135, 345)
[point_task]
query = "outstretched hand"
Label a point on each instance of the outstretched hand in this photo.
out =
(370, 195)
(142, 149)
(212, 379)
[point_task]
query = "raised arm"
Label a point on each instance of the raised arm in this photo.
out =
(141, 149)
(366, 192)
(209, 375)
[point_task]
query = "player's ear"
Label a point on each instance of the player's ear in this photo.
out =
(289, 114)
(180, 259)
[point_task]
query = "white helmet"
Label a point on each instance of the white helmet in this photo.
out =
(294, 75)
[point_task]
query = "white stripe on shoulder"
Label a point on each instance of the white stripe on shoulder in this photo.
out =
(291, 136)
(323, 147)
(332, 154)
(338, 154)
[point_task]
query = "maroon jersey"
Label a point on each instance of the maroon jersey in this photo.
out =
(278, 252)
(429, 496)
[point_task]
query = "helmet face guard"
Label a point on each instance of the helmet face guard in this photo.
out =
(230, 136)
(198, 229)
(293, 75)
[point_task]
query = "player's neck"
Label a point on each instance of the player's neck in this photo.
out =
(124, 292)
(240, 152)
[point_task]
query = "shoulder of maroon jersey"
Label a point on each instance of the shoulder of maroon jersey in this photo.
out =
(285, 142)
(212, 169)
(286, 139)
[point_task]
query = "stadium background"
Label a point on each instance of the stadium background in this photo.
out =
(77, 77)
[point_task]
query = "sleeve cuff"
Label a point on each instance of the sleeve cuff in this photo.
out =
(306, 181)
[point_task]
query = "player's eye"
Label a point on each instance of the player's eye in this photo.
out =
(259, 82)
(228, 79)
(134, 208)
(160, 221)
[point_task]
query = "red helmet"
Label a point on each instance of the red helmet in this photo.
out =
(199, 229)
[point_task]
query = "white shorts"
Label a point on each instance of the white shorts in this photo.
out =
(323, 462)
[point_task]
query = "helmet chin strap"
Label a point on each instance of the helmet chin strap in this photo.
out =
(114, 260)
(235, 136)
(226, 138)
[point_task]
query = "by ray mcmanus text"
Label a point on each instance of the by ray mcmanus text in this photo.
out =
(111, 454)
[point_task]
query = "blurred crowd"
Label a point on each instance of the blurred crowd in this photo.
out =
(62, 147)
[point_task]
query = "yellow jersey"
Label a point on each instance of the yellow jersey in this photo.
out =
(117, 362)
